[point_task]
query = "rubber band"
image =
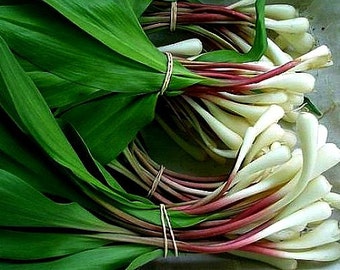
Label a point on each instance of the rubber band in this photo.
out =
(156, 181)
(168, 73)
(165, 217)
(173, 16)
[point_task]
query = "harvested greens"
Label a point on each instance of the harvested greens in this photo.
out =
(135, 130)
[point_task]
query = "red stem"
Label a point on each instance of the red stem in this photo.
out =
(216, 9)
(193, 18)
(243, 84)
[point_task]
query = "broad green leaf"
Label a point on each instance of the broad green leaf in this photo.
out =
(43, 245)
(145, 258)
(128, 205)
(19, 155)
(43, 37)
(36, 34)
(115, 24)
(22, 157)
(109, 124)
(258, 48)
(25, 105)
(19, 97)
(103, 258)
(139, 6)
(61, 93)
(23, 102)
(58, 92)
(23, 206)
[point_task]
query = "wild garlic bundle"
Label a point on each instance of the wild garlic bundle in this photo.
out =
(81, 81)
(85, 55)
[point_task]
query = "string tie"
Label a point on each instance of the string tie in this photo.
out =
(168, 73)
(156, 181)
(166, 221)
(173, 16)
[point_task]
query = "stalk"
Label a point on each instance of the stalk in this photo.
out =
(276, 11)
(185, 48)
(282, 263)
(326, 253)
(326, 232)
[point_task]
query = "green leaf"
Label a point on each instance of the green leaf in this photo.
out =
(44, 38)
(19, 155)
(115, 25)
(23, 102)
(310, 106)
(145, 258)
(41, 245)
(109, 124)
(37, 34)
(25, 105)
(23, 206)
(139, 6)
(256, 52)
(103, 258)
(59, 92)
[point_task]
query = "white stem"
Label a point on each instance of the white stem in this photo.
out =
(291, 116)
(270, 135)
(271, 116)
(292, 26)
(230, 154)
(241, 3)
(189, 47)
(230, 138)
(315, 212)
(289, 139)
(287, 107)
(281, 175)
(315, 190)
(322, 135)
(301, 42)
(275, 145)
(281, 42)
(295, 82)
(307, 130)
(283, 264)
(272, 158)
(333, 199)
(251, 113)
(243, 45)
(328, 156)
(296, 99)
(327, 232)
(326, 253)
(249, 138)
(317, 58)
(285, 235)
(275, 53)
(258, 99)
(276, 11)
(236, 123)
